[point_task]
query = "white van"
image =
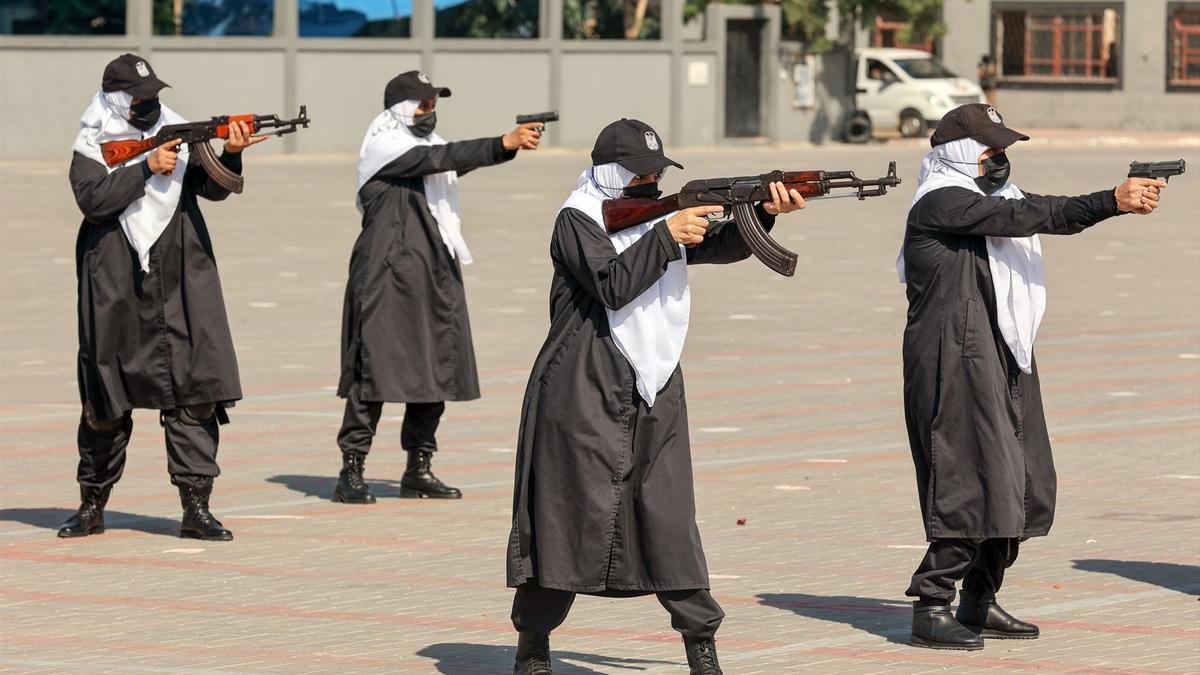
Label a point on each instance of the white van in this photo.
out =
(907, 89)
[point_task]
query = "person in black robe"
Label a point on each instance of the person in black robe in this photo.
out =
(972, 263)
(152, 327)
(405, 333)
(603, 501)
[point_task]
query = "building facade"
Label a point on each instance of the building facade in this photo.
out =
(702, 74)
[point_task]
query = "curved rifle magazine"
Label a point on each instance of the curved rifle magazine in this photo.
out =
(766, 249)
(216, 170)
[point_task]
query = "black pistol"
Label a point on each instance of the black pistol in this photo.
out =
(543, 117)
(1163, 170)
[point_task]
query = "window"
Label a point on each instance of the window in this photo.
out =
(612, 19)
(62, 17)
(890, 32)
(486, 18)
(1184, 45)
(355, 18)
(924, 69)
(215, 18)
(1059, 45)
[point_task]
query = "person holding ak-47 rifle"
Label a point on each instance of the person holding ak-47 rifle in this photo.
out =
(603, 501)
(152, 326)
(405, 333)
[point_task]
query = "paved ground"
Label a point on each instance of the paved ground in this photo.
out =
(795, 397)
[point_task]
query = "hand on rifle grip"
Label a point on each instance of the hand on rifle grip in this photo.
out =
(783, 200)
(164, 157)
(688, 226)
(240, 137)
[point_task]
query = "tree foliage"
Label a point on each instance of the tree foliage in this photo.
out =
(805, 20)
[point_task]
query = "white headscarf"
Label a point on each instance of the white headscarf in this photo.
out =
(650, 331)
(1018, 276)
(389, 137)
(107, 119)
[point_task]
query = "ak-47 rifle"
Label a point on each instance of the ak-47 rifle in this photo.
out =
(1163, 170)
(197, 135)
(738, 196)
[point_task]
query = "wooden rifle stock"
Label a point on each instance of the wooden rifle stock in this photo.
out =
(119, 152)
(622, 214)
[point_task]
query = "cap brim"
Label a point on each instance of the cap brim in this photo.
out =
(1000, 137)
(148, 89)
(648, 164)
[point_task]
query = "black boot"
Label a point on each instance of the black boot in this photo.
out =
(934, 627)
(198, 523)
(982, 615)
(419, 481)
(533, 654)
(702, 656)
(89, 519)
(351, 489)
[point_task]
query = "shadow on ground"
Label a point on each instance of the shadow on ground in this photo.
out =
(53, 518)
(889, 619)
(322, 486)
(1182, 578)
(461, 658)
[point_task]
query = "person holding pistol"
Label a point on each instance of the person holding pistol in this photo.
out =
(973, 266)
(405, 333)
(603, 501)
(152, 326)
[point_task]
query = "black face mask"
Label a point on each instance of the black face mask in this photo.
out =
(144, 114)
(423, 124)
(995, 173)
(643, 191)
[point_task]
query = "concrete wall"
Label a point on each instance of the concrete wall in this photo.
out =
(1140, 101)
(341, 80)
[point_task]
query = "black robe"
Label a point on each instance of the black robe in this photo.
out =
(975, 421)
(603, 499)
(157, 339)
(405, 332)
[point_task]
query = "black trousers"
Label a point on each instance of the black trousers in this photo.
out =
(980, 566)
(192, 436)
(694, 613)
(362, 418)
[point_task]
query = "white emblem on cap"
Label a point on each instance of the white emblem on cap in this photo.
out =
(421, 77)
(993, 115)
(651, 140)
(141, 69)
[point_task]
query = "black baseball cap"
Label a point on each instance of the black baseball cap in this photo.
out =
(632, 144)
(410, 86)
(979, 121)
(132, 74)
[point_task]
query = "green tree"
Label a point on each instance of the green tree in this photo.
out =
(805, 20)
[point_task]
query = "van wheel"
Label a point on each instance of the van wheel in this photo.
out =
(857, 127)
(912, 124)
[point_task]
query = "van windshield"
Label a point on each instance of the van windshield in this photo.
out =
(923, 69)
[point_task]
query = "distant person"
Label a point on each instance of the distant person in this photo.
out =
(405, 333)
(973, 266)
(603, 502)
(987, 78)
(153, 333)
(1112, 63)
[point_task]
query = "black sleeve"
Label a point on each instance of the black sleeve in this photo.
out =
(459, 156)
(202, 185)
(723, 243)
(102, 195)
(956, 210)
(582, 247)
